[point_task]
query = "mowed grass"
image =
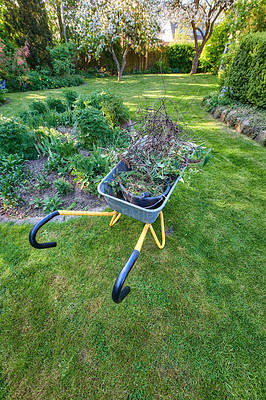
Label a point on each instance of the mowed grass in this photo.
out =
(192, 326)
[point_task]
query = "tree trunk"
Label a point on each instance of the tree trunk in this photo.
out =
(63, 20)
(120, 69)
(195, 63)
(59, 17)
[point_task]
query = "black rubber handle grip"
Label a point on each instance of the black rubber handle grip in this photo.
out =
(118, 293)
(33, 232)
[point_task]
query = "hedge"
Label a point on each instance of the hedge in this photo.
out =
(245, 73)
(181, 56)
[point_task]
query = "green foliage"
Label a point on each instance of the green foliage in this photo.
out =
(63, 187)
(112, 107)
(211, 56)
(3, 97)
(91, 170)
(63, 57)
(161, 68)
(181, 56)
(66, 118)
(245, 73)
(58, 149)
(247, 16)
(70, 96)
(213, 100)
(15, 137)
(56, 104)
(51, 203)
(91, 127)
(36, 80)
(38, 106)
(26, 20)
(12, 178)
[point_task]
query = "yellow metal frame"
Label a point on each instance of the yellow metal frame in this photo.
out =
(115, 217)
(144, 233)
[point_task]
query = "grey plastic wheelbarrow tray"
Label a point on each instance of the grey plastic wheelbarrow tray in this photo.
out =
(121, 206)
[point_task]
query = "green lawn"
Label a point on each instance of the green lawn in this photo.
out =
(192, 326)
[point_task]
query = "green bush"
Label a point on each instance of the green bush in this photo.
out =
(12, 178)
(70, 96)
(66, 118)
(38, 106)
(56, 104)
(245, 72)
(36, 80)
(63, 187)
(63, 57)
(90, 170)
(211, 56)
(112, 107)
(3, 98)
(91, 127)
(181, 56)
(15, 138)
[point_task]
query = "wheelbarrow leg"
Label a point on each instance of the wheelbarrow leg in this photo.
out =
(119, 293)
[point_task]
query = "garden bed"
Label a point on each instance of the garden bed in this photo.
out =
(78, 199)
(245, 119)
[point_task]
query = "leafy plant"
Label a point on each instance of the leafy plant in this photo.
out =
(56, 104)
(3, 97)
(63, 187)
(38, 106)
(37, 202)
(16, 138)
(63, 56)
(41, 182)
(70, 96)
(12, 178)
(91, 127)
(90, 170)
(51, 203)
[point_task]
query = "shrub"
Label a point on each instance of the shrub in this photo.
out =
(63, 56)
(245, 73)
(112, 107)
(91, 127)
(15, 138)
(66, 118)
(213, 100)
(63, 187)
(181, 56)
(90, 170)
(3, 98)
(70, 96)
(38, 106)
(211, 56)
(161, 68)
(56, 104)
(12, 178)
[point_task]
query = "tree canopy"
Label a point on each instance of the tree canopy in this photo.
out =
(202, 16)
(26, 21)
(131, 24)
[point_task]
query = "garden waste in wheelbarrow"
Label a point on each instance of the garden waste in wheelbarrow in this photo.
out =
(119, 207)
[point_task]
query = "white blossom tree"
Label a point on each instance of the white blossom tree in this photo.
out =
(202, 16)
(131, 23)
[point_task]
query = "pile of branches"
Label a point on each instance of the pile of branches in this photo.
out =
(159, 147)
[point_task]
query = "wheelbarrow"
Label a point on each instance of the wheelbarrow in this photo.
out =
(119, 207)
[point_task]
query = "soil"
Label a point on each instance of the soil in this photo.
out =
(78, 199)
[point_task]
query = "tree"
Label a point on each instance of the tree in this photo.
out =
(246, 16)
(202, 16)
(61, 16)
(118, 26)
(26, 21)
